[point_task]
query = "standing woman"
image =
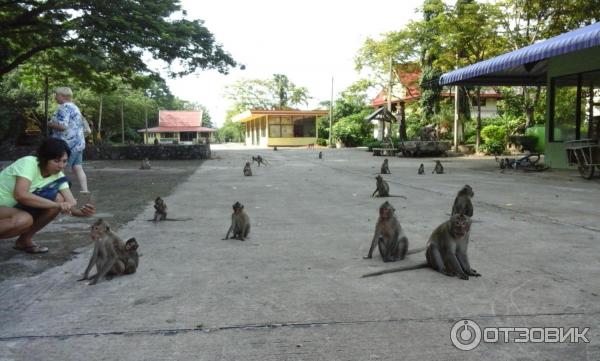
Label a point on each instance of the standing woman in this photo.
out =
(67, 124)
(33, 190)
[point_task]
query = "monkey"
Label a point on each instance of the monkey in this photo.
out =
(446, 250)
(389, 236)
(146, 164)
(385, 169)
(275, 148)
(320, 155)
(160, 209)
(260, 160)
(240, 223)
(462, 202)
(383, 188)
(129, 260)
(439, 168)
(247, 170)
(156, 142)
(310, 146)
(421, 169)
(108, 250)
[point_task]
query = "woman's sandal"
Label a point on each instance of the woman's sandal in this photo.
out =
(33, 249)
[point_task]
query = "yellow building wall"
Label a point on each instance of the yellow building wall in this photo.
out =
(291, 142)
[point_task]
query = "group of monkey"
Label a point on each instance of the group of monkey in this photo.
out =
(446, 250)
(382, 188)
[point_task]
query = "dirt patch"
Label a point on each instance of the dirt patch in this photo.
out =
(120, 192)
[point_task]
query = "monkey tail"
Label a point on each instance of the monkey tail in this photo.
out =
(416, 250)
(397, 269)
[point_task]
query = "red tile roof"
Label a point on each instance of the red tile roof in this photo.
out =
(409, 75)
(177, 129)
(179, 118)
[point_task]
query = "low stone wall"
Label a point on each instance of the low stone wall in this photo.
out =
(116, 152)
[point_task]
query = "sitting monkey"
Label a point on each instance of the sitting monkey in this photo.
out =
(240, 223)
(146, 164)
(247, 170)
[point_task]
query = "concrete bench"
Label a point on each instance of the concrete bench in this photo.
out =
(385, 151)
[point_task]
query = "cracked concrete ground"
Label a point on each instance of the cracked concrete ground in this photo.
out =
(293, 290)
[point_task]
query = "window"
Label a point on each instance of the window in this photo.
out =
(167, 135)
(474, 101)
(275, 127)
(187, 136)
(305, 126)
(296, 127)
(575, 107)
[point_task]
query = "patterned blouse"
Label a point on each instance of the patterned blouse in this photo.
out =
(69, 116)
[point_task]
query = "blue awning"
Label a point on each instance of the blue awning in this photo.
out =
(525, 66)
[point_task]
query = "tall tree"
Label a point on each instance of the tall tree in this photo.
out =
(116, 33)
(275, 93)
(429, 35)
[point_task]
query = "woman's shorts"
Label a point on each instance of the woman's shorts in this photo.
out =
(76, 158)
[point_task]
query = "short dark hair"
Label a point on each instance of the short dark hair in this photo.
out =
(51, 148)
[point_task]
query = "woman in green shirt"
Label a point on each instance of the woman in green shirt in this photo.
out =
(23, 212)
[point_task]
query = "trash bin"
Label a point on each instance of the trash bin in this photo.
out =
(539, 132)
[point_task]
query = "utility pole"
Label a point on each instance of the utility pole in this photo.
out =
(122, 125)
(331, 113)
(389, 97)
(146, 121)
(456, 118)
(99, 129)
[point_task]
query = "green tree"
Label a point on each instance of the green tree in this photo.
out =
(428, 33)
(275, 93)
(115, 33)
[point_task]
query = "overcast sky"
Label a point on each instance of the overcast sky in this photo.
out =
(309, 41)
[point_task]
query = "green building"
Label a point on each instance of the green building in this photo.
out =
(569, 66)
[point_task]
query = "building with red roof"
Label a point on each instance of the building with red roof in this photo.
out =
(407, 90)
(179, 127)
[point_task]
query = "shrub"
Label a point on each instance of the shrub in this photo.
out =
(372, 143)
(494, 137)
(352, 130)
(322, 142)
(493, 147)
(493, 133)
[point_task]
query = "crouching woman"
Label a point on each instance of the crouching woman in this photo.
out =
(33, 191)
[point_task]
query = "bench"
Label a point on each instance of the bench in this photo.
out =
(385, 151)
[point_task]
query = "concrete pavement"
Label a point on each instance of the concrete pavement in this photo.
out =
(293, 291)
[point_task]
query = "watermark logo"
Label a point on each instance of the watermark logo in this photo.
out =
(466, 335)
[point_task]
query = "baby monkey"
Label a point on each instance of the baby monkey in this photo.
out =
(240, 223)
(247, 170)
(160, 210)
(146, 164)
(421, 169)
(439, 168)
(320, 155)
(385, 169)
